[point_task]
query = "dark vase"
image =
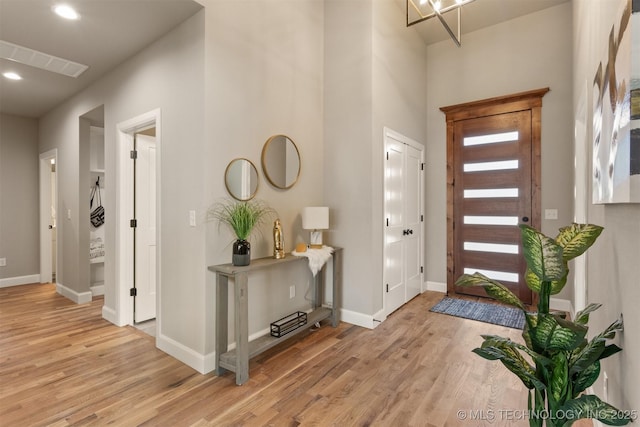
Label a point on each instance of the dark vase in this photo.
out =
(241, 253)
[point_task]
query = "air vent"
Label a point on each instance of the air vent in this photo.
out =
(44, 61)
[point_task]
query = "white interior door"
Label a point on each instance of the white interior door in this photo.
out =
(145, 232)
(403, 233)
(394, 248)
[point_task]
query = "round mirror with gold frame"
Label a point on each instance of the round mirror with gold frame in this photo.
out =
(281, 161)
(241, 179)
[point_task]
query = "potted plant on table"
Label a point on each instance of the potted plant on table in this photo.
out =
(565, 363)
(241, 217)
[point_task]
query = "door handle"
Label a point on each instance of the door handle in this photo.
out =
(405, 232)
(525, 219)
(410, 231)
(51, 227)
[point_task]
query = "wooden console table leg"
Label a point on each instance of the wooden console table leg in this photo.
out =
(222, 319)
(337, 286)
(242, 328)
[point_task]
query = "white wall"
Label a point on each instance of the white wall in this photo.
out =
(19, 203)
(168, 75)
(264, 76)
(612, 263)
(374, 77)
(530, 52)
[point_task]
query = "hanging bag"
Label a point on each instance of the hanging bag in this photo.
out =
(97, 214)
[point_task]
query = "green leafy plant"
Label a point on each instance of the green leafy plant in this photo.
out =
(241, 216)
(564, 363)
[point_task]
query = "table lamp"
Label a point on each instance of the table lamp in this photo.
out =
(315, 219)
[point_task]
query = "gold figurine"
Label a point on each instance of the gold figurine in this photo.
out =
(278, 240)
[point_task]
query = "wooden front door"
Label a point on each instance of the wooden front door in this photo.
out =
(493, 185)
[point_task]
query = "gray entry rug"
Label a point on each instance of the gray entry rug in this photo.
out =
(481, 311)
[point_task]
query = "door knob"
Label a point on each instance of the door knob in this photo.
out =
(525, 219)
(405, 232)
(410, 231)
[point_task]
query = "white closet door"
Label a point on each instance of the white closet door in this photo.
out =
(403, 233)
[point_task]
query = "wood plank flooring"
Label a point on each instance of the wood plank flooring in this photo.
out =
(61, 364)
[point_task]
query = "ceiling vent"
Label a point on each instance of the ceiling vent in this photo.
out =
(24, 55)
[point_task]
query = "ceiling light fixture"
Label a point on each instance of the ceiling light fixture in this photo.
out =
(66, 11)
(12, 76)
(421, 10)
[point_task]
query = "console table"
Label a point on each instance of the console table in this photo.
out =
(237, 360)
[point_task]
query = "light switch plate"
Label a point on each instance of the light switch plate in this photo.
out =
(3, 262)
(192, 218)
(551, 214)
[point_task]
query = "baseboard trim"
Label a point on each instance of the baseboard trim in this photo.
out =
(562, 305)
(20, 280)
(201, 363)
(436, 287)
(110, 315)
(97, 290)
(365, 320)
(77, 297)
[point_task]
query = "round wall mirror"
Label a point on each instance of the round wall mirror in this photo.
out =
(241, 179)
(281, 161)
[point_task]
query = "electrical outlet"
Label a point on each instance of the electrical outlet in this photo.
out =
(192, 218)
(292, 292)
(605, 387)
(68, 213)
(3, 262)
(551, 214)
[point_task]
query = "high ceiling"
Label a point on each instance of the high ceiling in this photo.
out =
(479, 14)
(111, 31)
(107, 33)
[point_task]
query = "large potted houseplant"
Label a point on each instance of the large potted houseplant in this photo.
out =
(564, 362)
(242, 217)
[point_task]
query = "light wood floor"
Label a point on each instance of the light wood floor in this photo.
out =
(62, 364)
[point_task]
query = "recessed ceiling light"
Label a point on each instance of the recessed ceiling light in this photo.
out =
(12, 76)
(66, 11)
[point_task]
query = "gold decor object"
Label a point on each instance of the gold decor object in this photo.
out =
(278, 240)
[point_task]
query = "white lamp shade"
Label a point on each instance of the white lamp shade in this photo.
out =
(315, 218)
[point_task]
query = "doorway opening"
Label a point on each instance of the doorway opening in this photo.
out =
(493, 184)
(48, 216)
(138, 221)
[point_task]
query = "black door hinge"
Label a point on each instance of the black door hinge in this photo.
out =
(134, 154)
(421, 269)
(387, 222)
(387, 287)
(133, 292)
(133, 223)
(421, 166)
(421, 218)
(387, 155)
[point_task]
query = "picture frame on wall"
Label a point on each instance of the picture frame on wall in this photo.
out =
(616, 114)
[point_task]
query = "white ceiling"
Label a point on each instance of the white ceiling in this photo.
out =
(111, 31)
(108, 33)
(479, 14)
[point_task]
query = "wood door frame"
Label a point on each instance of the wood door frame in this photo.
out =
(529, 100)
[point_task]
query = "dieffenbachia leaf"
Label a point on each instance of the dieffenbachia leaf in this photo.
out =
(543, 255)
(582, 317)
(559, 380)
(555, 334)
(590, 406)
(586, 378)
(512, 359)
(493, 288)
(535, 284)
(577, 238)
